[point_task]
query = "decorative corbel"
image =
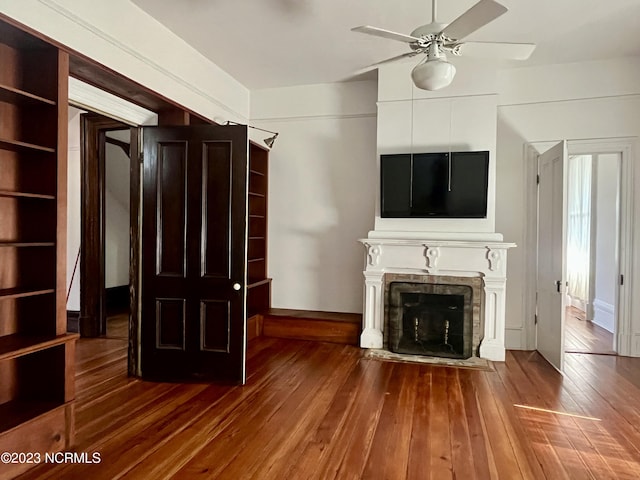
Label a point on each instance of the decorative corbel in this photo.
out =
(494, 257)
(373, 254)
(431, 255)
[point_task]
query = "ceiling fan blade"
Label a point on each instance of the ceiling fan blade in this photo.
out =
(507, 51)
(476, 17)
(380, 32)
(400, 57)
(373, 66)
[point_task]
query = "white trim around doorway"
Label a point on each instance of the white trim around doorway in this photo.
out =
(626, 148)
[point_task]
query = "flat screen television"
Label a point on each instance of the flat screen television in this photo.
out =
(434, 185)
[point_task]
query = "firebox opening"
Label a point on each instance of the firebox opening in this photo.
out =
(431, 319)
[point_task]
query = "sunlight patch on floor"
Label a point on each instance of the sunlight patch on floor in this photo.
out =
(575, 415)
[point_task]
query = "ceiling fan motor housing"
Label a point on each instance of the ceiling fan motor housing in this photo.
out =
(432, 28)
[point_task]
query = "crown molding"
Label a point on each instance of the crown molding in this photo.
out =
(61, 10)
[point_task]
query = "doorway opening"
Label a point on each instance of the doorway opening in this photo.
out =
(116, 233)
(98, 225)
(593, 197)
(104, 264)
(98, 240)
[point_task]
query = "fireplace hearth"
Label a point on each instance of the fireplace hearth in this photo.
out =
(430, 319)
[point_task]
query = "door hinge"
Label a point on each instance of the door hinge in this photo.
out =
(535, 319)
(537, 179)
(621, 279)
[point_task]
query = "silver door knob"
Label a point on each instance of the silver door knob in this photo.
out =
(236, 286)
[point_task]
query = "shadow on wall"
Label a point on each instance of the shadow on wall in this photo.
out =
(510, 221)
(322, 193)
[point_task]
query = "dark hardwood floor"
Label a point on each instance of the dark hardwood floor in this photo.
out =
(118, 326)
(315, 410)
(582, 336)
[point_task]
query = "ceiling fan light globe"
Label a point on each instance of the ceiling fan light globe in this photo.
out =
(433, 74)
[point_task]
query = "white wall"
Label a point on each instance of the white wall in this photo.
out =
(591, 100)
(123, 37)
(459, 118)
(606, 200)
(117, 174)
(322, 187)
(73, 208)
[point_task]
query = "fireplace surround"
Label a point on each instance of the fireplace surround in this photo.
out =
(433, 315)
(420, 260)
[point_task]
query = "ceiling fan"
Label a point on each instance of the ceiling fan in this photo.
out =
(434, 39)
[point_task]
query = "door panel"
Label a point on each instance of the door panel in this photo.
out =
(216, 201)
(215, 325)
(171, 209)
(551, 247)
(194, 252)
(170, 323)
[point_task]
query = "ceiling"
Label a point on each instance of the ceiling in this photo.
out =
(274, 43)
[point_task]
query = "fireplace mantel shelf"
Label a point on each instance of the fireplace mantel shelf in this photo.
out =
(437, 243)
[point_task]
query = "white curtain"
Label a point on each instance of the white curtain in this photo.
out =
(579, 226)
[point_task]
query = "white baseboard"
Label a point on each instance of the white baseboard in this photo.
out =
(492, 351)
(577, 303)
(513, 339)
(629, 345)
(371, 338)
(604, 315)
(635, 348)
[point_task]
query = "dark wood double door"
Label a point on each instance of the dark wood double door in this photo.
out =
(193, 252)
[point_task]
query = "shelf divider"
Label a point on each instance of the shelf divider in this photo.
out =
(15, 95)
(16, 345)
(15, 145)
(6, 293)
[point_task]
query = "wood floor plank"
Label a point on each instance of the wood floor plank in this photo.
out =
(616, 439)
(281, 433)
(354, 440)
(507, 456)
(440, 455)
(275, 460)
(221, 457)
(580, 432)
(420, 444)
(471, 417)
(513, 377)
(393, 432)
(324, 411)
(223, 422)
(575, 431)
(549, 426)
(582, 335)
(322, 442)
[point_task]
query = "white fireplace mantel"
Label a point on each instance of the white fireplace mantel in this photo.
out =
(468, 258)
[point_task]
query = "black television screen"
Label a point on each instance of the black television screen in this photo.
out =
(441, 185)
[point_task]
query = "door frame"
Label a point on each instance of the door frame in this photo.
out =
(625, 146)
(93, 127)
